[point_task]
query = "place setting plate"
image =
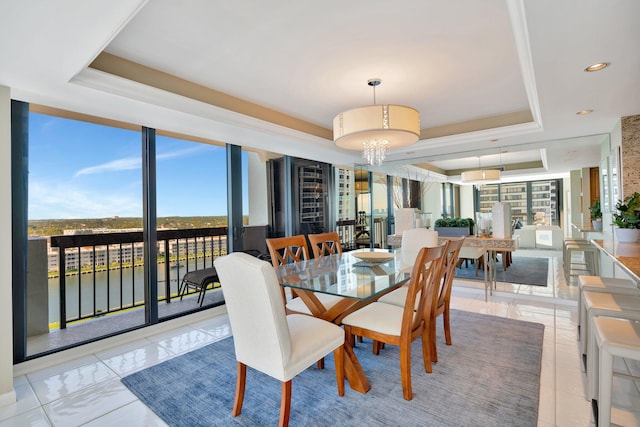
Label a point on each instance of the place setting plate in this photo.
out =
(374, 257)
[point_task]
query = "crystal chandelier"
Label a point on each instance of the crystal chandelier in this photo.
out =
(375, 129)
(375, 151)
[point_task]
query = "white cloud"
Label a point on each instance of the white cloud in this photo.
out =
(132, 163)
(65, 201)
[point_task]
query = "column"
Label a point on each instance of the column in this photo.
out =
(630, 155)
(7, 394)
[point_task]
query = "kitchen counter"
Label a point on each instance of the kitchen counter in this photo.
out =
(626, 255)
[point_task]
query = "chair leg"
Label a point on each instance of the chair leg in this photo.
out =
(405, 370)
(338, 357)
(447, 324)
(285, 404)
(203, 289)
(427, 345)
(321, 363)
(240, 382)
(432, 333)
(375, 348)
(182, 288)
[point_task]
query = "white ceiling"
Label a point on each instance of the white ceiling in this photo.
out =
(455, 61)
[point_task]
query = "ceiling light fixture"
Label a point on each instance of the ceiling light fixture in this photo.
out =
(583, 112)
(480, 176)
(597, 67)
(375, 129)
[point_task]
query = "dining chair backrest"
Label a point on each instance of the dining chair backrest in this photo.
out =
(427, 269)
(415, 239)
(284, 250)
(323, 244)
(449, 269)
(256, 312)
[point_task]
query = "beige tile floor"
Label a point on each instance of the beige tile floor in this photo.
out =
(72, 389)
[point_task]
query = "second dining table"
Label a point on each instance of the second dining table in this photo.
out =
(361, 277)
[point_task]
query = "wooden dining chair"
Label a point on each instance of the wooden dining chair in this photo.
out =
(413, 240)
(284, 250)
(443, 299)
(400, 326)
(265, 337)
(323, 244)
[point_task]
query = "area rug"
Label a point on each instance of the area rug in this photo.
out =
(523, 270)
(490, 376)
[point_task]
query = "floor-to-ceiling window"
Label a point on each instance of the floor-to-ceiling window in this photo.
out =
(450, 200)
(532, 202)
(84, 180)
(93, 189)
(380, 209)
(191, 207)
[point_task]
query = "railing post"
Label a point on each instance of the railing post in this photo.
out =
(62, 276)
(167, 272)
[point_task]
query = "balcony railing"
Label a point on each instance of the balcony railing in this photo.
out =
(100, 269)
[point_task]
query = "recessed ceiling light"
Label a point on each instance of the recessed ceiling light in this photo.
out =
(494, 140)
(583, 112)
(597, 67)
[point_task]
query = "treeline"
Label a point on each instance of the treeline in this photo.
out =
(55, 227)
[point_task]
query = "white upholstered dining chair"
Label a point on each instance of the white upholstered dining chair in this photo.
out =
(265, 337)
(415, 239)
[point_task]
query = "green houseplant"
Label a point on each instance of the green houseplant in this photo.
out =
(454, 227)
(596, 215)
(626, 218)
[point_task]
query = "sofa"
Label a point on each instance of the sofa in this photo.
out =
(540, 237)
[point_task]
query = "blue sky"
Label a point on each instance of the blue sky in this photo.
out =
(84, 170)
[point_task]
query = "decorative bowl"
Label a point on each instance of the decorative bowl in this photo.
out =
(374, 257)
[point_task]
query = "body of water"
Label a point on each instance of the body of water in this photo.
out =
(112, 290)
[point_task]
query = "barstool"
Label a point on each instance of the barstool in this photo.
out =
(567, 242)
(590, 254)
(573, 240)
(604, 304)
(604, 284)
(612, 338)
(570, 245)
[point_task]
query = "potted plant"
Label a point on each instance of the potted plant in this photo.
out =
(627, 219)
(453, 227)
(596, 215)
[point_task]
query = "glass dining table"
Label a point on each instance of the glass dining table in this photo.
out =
(360, 277)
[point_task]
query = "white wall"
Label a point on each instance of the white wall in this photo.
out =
(614, 141)
(466, 202)
(432, 201)
(7, 394)
(258, 203)
(576, 201)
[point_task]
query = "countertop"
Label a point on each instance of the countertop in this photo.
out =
(627, 255)
(510, 244)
